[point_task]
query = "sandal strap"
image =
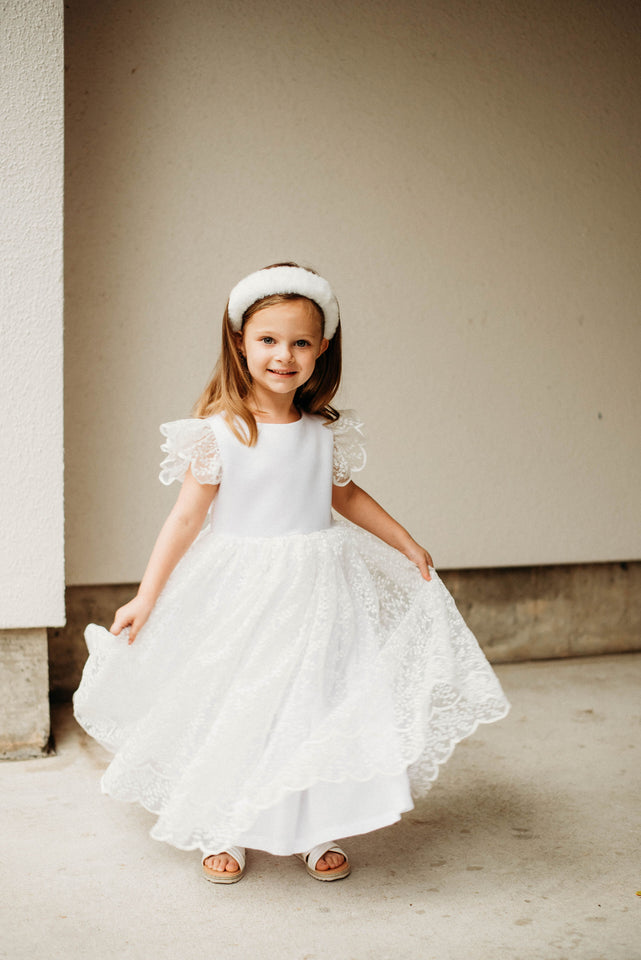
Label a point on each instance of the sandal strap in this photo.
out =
(238, 853)
(311, 857)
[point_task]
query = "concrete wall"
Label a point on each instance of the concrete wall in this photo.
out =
(467, 177)
(31, 444)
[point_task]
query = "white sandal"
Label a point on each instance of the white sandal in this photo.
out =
(224, 876)
(311, 858)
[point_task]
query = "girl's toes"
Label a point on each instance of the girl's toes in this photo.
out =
(222, 863)
(335, 860)
(330, 861)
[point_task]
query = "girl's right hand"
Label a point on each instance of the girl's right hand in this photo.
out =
(133, 615)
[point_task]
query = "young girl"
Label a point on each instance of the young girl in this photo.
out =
(286, 677)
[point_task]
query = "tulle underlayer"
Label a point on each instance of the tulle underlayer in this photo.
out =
(269, 665)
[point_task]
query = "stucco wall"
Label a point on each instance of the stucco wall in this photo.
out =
(465, 174)
(31, 441)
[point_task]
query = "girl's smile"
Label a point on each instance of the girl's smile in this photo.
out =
(281, 344)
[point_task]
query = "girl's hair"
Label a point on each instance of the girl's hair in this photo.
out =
(230, 385)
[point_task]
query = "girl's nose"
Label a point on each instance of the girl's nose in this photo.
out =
(284, 353)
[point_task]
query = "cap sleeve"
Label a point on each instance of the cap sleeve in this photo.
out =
(349, 447)
(190, 443)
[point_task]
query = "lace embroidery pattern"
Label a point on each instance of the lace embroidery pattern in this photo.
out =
(350, 455)
(190, 443)
(399, 676)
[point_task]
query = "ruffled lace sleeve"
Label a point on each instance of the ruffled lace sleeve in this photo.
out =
(190, 443)
(349, 447)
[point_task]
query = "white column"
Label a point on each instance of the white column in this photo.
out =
(31, 425)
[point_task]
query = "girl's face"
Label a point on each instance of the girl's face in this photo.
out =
(281, 344)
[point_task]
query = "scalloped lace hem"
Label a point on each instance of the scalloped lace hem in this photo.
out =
(422, 767)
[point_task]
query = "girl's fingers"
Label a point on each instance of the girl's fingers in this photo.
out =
(137, 623)
(423, 561)
(424, 566)
(120, 620)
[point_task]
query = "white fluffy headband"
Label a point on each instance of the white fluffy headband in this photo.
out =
(264, 283)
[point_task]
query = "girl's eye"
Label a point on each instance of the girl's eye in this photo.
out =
(302, 343)
(267, 339)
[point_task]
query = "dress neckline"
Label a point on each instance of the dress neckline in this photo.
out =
(272, 423)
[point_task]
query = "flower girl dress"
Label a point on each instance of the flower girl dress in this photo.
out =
(297, 678)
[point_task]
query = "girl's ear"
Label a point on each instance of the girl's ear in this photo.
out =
(238, 337)
(323, 346)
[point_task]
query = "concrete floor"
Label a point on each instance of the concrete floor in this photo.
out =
(526, 849)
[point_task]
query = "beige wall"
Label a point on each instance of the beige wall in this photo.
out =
(31, 443)
(467, 177)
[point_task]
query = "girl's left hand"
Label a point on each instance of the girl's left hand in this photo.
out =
(419, 555)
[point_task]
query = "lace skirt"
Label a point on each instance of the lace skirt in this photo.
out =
(271, 666)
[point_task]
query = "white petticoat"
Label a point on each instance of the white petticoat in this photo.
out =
(270, 665)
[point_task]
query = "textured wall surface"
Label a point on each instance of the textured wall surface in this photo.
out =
(465, 174)
(31, 191)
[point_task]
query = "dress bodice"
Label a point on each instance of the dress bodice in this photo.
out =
(281, 485)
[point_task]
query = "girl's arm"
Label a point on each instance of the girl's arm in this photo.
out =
(356, 505)
(179, 531)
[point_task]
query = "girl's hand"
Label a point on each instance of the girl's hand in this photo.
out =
(353, 503)
(133, 615)
(419, 555)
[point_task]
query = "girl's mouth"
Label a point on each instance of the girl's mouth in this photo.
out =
(282, 373)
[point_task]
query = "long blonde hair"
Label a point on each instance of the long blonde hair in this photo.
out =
(230, 386)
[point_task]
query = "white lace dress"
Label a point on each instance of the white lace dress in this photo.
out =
(297, 676)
